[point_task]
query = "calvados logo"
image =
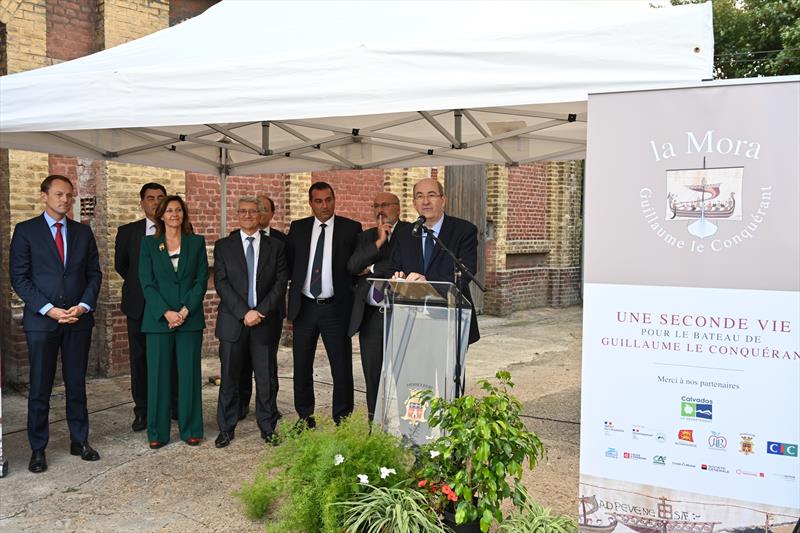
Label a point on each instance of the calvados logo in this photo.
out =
(660, 460)
(717, 441)
(746, 445)
(415, 409)
(612, 453)
(686, 435)
(692, 409)
(780, 448)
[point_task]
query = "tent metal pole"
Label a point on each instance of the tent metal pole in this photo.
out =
(223, 192)
(457, 128)
(265, 138)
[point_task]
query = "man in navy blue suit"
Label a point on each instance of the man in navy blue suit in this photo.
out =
(420, 259)
(55, 269)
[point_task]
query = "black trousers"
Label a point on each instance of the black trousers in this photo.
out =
(370, 338)
(233, 355)
(312, 321)
(137, 355)
(43, 348)
(275, 326)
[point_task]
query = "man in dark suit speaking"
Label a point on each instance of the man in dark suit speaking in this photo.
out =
(54, 268)
(126, 263)
(250, 276)
(420, 259)
(320, 300)
(372, 259)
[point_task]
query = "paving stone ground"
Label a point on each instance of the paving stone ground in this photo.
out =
(180, 488)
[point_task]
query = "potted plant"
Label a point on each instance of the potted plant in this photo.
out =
(300, 482)
(478, 461)
(400, 508)
(532, 517)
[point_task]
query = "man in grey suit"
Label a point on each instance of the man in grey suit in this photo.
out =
(372, 259)
(250, 277)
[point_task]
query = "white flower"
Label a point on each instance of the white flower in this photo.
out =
(363, 479)
(339, 459)
(435, 454)
(385, 472)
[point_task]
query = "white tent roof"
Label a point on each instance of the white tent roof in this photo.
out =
(299, 86)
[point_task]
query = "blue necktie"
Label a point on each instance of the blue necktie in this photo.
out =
(315, 287)
(427, 252)
(250, 256)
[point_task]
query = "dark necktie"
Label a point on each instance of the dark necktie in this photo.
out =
(59, 242)
(250, 256)
(316, 269)
(427, 252)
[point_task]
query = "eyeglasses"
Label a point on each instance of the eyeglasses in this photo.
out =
(384, 205)
(251, 212)
(430, 196)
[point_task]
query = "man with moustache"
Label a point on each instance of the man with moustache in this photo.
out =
(275, 323)
(126, 263)
(250, 277)
(55, 269)
(320, 301)
(372, 259)
(420, 259)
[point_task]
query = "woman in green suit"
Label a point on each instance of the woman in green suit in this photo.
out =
(173, 269)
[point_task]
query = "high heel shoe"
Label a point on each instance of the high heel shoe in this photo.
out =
(194, 441)
(154, 444)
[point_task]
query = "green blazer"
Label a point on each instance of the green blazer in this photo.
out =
(164, 289)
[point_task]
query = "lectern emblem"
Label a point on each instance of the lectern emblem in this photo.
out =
(415, 409)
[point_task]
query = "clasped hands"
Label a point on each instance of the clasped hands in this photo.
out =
(412, 276)
(175, 319)
(252, 318)
(66, 316)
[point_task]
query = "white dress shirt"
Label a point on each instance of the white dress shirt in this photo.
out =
(149, 227)
(256, 247)
(327, 259)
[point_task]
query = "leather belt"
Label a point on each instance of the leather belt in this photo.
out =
(320, 301)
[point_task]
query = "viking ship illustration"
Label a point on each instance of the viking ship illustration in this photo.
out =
(706, 206)
(589, 506)
(664, 523)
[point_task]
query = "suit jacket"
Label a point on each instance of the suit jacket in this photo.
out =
(345, 234)
(461, 237)
(39, 277)
(230, 280)
(126, 263)
(364, 255)
(165, 289)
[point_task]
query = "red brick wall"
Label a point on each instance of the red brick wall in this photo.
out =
(180, 10)
(527, 202)
(354, 191)
(70, 28)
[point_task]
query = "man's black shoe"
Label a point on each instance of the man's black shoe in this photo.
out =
(223, 439)
(83, 449)
(38, 462)
(269, 437)
(139, 423)
(305, 423)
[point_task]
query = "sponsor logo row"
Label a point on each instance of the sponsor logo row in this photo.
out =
(662, 460)
(715, 440)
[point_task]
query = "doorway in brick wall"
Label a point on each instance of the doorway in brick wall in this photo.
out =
(465, 188)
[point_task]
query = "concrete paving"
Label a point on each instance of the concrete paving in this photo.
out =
(181, 488)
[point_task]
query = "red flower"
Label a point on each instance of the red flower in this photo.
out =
(446, 489)
(422, 483)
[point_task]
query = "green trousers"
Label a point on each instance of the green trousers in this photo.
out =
(185, 346)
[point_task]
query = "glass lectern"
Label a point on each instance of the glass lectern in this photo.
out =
(420, 338)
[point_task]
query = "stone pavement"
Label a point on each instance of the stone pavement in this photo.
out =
(181, 488)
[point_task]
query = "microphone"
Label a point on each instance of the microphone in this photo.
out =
(416, 231)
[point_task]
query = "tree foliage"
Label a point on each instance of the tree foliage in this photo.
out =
(755, 37)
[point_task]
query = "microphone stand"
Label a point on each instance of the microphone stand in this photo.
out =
(460, 272)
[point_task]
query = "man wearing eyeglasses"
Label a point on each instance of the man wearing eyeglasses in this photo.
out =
(372, 259)
(250, 276)
(420, 259)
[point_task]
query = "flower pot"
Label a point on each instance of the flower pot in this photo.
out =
(469, 527)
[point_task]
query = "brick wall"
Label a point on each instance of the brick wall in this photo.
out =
(180, 10)
(354, 191)
(71, 28)
(527, 200)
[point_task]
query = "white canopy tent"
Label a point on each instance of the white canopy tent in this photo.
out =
(255, 86)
